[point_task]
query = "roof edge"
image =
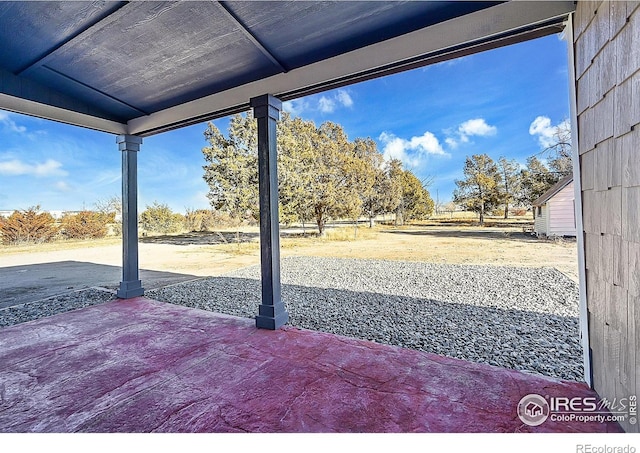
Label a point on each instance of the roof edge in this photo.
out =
(557, 187)
(49, 112)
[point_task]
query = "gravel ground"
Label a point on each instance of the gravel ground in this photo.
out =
(521, 318)
(513, 317)
(53, 305)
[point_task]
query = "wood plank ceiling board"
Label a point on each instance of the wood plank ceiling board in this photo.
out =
(153, 55)
(31, 30)
(304, 32)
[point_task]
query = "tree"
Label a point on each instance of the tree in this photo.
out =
(232, 169)
(112, 208)
(296, 157)
(396, 182)
(535, 180)
(159, 218)
(416, 200)
(109, 206)
(479, 191)
(449, 207)
(86, 225)
(330, 194)
(363, 168)
(510, 173)
(386, 193)
(29, 225)
(321, 174)
(559, 150)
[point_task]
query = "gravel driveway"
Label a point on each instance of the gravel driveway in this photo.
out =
(513, 317)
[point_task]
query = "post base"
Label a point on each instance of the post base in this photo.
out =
(130, 289)
(272, 322)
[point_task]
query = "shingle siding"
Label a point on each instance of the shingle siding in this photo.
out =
(607, 52)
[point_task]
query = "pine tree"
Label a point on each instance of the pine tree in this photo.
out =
(479, 191)
(535, 180)
(510, 173)
(232, 169)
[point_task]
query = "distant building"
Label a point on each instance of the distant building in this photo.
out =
(56, 214)
(555, 210)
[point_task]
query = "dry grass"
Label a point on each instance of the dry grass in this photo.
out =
(70, 244)
(435, 241)
(239, 248)
(349, 234)
(445, 243)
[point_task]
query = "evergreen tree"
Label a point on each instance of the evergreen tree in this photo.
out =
(509, 187)
(479, 191)
(232, 169)
(535, 180)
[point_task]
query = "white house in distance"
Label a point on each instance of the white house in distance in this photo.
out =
(555, 210)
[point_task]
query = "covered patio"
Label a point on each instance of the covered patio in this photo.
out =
(134, 69)
(140, 365)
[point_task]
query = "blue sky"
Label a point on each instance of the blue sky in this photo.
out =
(502, 102)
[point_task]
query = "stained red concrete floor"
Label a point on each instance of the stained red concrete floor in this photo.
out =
(146, 366)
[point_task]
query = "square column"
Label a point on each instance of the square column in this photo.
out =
(130, 286)
(272, 314)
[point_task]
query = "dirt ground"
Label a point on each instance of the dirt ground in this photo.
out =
(211, 254)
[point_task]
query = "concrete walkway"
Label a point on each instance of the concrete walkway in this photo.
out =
(146, 366)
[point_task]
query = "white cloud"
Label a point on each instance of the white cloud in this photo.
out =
(447, 63)
(62, 186)
(296, 106)
(451, 142)
(427, 143)
(546, 132)
(475, 127)
(412, 151)
(326, 105)
(5, 119)
(16, 167)
(106, 177)
(343, 98)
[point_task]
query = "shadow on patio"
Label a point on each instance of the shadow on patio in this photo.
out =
(468, 234)
(33, 282)
(146, 366)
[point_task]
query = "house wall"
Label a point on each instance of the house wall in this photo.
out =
(561, 208)
(607, 63)
(540, 223)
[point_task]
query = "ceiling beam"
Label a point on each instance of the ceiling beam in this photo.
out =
(95, 90)
(37, 109)
(81, 31)
(463, 35)
(250, 36)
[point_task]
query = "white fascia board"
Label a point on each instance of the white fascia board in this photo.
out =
(493, 21)
(32, 108)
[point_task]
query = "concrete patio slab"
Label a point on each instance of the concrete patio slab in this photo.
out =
(145, 366)
(28, 283)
